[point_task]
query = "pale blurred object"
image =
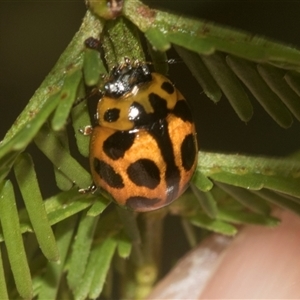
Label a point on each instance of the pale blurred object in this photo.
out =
(258, 263)
(189, 277)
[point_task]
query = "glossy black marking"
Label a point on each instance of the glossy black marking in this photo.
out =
(108, 174)
(159, 106)
(160, 133)
(137, 113)
(123, 79)
(141, 203)
(188, 152)
(168, 87)
(144, 172)
(118, 143)
(111, 115)
(141, 118)
(182, 111)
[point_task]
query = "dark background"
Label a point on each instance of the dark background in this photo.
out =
(34, 34)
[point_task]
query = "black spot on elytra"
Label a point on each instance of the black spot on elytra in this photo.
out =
(141, 118)
(108, 174)
(160, 133)
(141, 203)
(144, 172)
(111, 115)
(118, 143)
(182, 111)
(168, 87)
(159, 106)
(188, 152)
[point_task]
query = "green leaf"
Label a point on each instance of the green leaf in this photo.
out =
(202, 182)
(46, 97)
(96, 270)
(203, 221)
(26, 134)
(3, 288)
(230, 85)
(81, 119)
(201, 73)
(67, 96)
(49, 144)
(6, 163)
(200, 45)
(78, 204)
(279, 200)
(71, 57)
(62, 181)
(81, 249)
(36, 258)
(121, 39)
(130, 46)
(207, 201)
(157, 39)
(243, 217)
(105, 254)
(54, 271)
(254, 173)
(274, 78)
(59, 207)
(93, 67)
(98, 207)
(29, 187)
(261, 91)
(293, 80)
(189, 232)
(124, 245)
(131, 228)
(64, 199)
(207, 37)
(185, 205)
(14, 242)
(246, 198)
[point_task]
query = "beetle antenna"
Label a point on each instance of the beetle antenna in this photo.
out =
(93, 92)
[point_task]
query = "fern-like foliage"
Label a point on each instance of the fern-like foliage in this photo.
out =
(63, 247)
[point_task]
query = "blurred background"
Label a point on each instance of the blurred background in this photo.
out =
(34, 34)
